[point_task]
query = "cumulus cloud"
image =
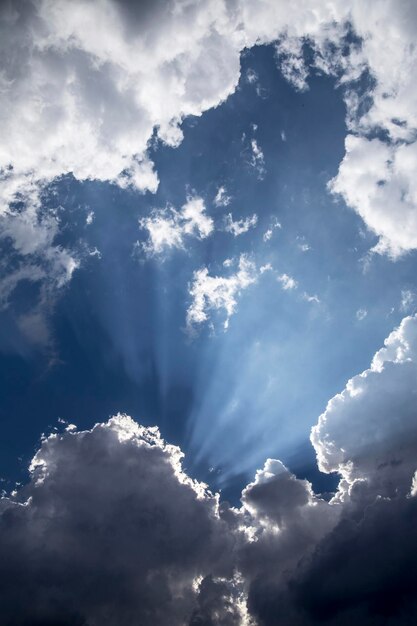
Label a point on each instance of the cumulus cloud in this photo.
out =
(167, 228)
(378, 448)
(84, 92)
(359, 568)
(214, 293)
(377, 180)
(33, 231)
(239, 227)
(291, 61)
(111, 530)
(84, 88)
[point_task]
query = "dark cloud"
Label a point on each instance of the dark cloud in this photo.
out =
(111, 531)
(363, 572)
(361, 569)
(108, 531)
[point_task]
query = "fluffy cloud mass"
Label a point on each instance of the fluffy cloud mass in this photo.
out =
(85, 85)
(211, 293)
(378, 449)
(111, 530)
(167, 228)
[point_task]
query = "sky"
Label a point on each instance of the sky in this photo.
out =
(208, 303)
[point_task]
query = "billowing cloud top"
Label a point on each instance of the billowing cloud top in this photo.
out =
(111, 530)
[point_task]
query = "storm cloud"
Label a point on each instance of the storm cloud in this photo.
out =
(111, 530)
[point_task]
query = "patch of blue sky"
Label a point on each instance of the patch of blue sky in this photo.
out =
(120, 344)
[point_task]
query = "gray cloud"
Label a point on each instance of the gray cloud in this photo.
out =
(110, 530)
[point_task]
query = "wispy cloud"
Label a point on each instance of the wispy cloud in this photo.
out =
(361, 314)
(222, 198)
(238, 227)
(168, 228)
(287, 282)
(268, 233)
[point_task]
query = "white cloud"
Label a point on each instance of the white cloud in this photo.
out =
(302, 244)
(368, 432)
(239, 227)
(86, 86)
(214, 293)
(222, 198)
(287, 282)
(251, 76)
(167, 228)
(361, 314)
(378, 181)
(291, 61)
(310, 298)
(268, 233)
(408, 300)
(257, 159)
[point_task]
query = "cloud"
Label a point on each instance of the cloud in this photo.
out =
(85, 88)
(239, 227)
(287, 282)
(222, 199)
(310, 298)
(110, 530)
(408, 300)
(214, 293)
(359, 568)
(302, 244)
(257, 159)
(84, 93)
(268, 233)
(291, 61)
(377, 180)
(367, 433)
(361, 314)
(167, 228)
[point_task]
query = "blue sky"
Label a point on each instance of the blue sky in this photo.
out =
(208, 312)
(118, 340)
